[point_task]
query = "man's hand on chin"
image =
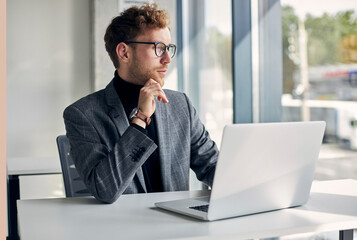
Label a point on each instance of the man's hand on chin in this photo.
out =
(146, 103)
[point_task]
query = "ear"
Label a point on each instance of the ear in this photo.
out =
(122, 51)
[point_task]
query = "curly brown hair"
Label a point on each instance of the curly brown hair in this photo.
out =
(130, 23)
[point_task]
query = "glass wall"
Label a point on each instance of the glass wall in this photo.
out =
(207, 41)
(207, 64)
(320, 77)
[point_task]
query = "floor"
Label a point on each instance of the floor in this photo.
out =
(336, 163)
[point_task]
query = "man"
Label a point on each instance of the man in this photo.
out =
(132, 136)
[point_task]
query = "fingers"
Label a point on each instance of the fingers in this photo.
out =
(155, 93)
(150, 82)
(148, 93)
(152, 87)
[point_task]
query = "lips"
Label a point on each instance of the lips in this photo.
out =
(162, 72)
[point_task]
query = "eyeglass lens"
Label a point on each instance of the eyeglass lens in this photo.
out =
(161, 48)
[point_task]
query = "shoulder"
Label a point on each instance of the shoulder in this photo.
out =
(176, 96)
(88, 103)
(179, 103)
(179, 99)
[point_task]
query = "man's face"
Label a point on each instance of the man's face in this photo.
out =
(144, 63)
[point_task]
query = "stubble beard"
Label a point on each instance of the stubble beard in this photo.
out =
(140, 75)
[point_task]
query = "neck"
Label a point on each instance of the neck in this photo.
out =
(128, 78)
(127, 91)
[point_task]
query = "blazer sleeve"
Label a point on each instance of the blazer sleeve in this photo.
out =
(106, 172)
(204, 151)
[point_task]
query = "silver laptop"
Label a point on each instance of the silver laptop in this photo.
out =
(261, 167)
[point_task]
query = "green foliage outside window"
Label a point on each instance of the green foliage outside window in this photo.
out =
(325, 40)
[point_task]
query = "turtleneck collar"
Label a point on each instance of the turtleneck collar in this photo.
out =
(127, 92)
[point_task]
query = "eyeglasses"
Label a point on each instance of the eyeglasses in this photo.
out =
(160, 48)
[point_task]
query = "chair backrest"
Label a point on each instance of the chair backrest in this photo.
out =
(73, 184)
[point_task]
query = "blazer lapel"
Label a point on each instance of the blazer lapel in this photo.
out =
(117, 114)
(117, 111)
(164, 136)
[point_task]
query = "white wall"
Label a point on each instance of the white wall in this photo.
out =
(48, 67)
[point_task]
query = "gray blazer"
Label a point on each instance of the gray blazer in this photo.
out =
(108, 152)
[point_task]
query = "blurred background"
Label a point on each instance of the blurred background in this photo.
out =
(320, 77)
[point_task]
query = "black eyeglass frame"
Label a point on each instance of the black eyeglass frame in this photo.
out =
(167, 47)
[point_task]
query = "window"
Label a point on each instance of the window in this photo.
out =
(208, 62)
(320, 77)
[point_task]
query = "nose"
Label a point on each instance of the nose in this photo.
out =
(166, 59)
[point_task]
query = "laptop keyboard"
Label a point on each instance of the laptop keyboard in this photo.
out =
(202, 208)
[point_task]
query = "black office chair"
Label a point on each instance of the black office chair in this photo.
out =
(73, 184)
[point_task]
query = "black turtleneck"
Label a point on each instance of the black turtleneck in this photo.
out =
(129, 96)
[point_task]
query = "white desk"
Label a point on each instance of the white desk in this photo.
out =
(332, 207)
(23, 167)
(33, 166)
